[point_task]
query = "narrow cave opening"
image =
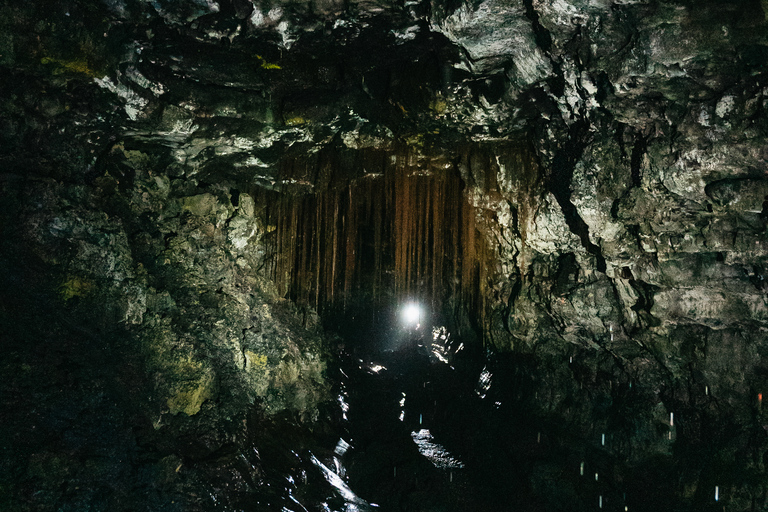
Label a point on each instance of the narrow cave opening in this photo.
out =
(396, 231)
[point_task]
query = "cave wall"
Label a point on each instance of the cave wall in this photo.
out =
(144, 145)
(141, 346)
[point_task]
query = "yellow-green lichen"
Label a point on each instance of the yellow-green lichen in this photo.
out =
(74, 286)
(73, 66)
(438, 104)
(181, 378)
(295, 121)
(266, 65)
(137, 159)
(189, 396)
(416, 140)
(255, 361)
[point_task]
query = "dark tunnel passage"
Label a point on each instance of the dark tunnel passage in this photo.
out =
(430, 416)
(373, 255)
(384, 230)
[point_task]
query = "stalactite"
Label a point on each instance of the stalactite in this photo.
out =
(351, 236)
(319, 233)
(377, 240)
(437, 238)
(279, 279)
(334, 258)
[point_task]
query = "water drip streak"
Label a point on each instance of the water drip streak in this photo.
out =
(408, 231)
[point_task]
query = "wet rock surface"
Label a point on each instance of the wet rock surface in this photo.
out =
(128, 351)
(612, 155)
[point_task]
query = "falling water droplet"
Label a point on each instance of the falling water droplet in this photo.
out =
(603, 440)
(581, 469)
(717, 493)
(671, 419)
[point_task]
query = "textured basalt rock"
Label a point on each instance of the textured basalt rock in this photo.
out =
(613, 152)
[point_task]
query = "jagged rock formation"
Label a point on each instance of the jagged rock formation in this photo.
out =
(609, 158)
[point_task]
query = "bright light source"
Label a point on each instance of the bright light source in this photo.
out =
(412, 314)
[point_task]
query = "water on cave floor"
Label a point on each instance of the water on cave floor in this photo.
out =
(427, 425)
(411, 418)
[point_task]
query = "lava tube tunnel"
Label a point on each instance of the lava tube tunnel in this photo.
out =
(420, 256)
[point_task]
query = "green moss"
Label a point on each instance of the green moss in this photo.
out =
(200, 205)
(74, 286)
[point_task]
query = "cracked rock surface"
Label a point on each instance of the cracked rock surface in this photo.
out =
(613, 151)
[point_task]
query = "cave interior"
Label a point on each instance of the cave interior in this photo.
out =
(325, 255)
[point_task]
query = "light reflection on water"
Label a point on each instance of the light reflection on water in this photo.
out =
(402, 367)
(436, 453)
(484, 383)
(511, 423)
(342, 399)
(353, 502)
(341, 447)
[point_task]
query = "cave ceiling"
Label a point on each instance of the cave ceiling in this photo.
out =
(646, 120)
(230, 87)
